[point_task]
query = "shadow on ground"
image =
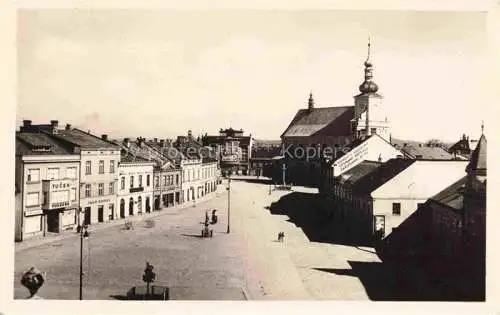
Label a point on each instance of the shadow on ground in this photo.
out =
(387, 283)
(193, 235)
(264, 181)
(305, 211)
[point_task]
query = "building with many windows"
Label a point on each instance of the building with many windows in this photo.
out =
(167, 172)
(199, 168)
(135, 189)
(98, 169)
(47, 185)
(233, 150)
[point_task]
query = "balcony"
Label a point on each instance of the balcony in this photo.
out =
(136, 189)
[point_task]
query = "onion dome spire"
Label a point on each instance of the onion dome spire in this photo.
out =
(368, 86)
(310, 103)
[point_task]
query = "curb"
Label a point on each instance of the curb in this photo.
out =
(28, 244)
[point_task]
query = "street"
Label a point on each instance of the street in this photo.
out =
(249, 263)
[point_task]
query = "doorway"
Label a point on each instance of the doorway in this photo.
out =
(131, 206)
(379, 226)
(122, 208)
(53, 221)
(148, 207)
(100, 214)
(87, 216)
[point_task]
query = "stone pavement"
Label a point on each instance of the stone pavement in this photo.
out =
(248, 263)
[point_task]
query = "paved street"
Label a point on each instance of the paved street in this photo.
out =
(246, 264)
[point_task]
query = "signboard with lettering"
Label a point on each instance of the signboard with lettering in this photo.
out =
(91, 202)
(351, 159)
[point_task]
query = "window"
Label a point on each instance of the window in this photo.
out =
(87, 190)
(140, 180)
(33, 199)
(373, 130)
(101, 189)
(88, 167)
(53, 173)
(111, 188)
(396, 208)
(71, 172)
(72, 194)
(101, 167)
(157, 181)
(34, 175)
(147, 180)
(177, 179)
(45, 198)
(112, 166)
(131, 181)
(122, 185)
(165, 180)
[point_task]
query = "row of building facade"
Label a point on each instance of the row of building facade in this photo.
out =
(66, 177)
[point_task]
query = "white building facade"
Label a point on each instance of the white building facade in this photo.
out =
(135, 191)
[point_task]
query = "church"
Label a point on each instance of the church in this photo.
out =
(337, 129)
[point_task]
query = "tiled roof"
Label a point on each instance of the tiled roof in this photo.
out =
(452, 196)
(381, 175)
(426, 153)
(331, 121)
(126, 156)
(83, 139)
(359, 171)
(478, 157)
(28, 143)
(462, 145)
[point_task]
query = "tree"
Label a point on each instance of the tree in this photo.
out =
(148, 276)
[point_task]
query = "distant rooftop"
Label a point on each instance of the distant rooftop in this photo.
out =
(28, 143)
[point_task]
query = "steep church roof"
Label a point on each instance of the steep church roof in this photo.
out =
(477, 162)
(332, 121)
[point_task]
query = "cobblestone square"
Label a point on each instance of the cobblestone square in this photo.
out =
(247, 264)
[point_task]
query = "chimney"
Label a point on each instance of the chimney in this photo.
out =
(68, 127)
(405, 144)
(126, 142)
(140, 140)
(26, 123)
(104, 137)
(420, 144)
(190, 135)
(162, 143)
(155, 140)
(54, 123)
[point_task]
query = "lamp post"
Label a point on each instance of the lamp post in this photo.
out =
(284, 170)
(228, 203)
(83, 233)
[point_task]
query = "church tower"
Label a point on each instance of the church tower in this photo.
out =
(370, 116)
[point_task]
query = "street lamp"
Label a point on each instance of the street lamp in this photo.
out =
(228, 202)
(83, 234)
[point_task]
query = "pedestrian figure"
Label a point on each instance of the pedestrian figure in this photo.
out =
(281, 236)
(33, 279)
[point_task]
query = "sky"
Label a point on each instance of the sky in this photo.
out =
(152, 73)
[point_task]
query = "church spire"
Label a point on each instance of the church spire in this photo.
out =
(368, 86)
(310, 103)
